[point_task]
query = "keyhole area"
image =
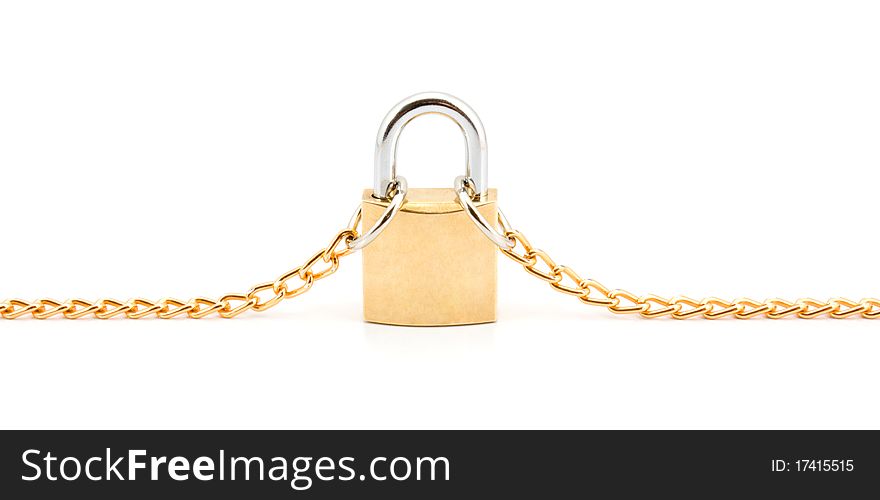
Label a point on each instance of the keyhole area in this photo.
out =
(431, 152)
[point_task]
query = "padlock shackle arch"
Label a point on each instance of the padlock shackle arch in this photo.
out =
(385, 161)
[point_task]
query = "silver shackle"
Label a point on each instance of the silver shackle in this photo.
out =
(385, 166)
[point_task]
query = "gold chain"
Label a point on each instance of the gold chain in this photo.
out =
(536, 262)
(260, 298)
(564, 279)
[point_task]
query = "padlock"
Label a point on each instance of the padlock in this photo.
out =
(430, 266)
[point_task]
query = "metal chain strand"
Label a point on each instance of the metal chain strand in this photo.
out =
(536, 262)
(259, 298)
(564, 279)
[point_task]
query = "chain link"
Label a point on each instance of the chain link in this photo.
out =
(564, 279)
(259, 298)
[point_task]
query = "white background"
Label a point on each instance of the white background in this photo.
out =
(197, 148)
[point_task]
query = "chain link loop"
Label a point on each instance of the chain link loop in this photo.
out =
(259, 298)
(564, 279)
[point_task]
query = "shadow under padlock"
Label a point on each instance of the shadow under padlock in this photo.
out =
(431, 265)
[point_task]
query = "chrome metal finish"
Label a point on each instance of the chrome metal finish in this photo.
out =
(385, 164)
(397, 192)
(463, 190)
(502, 219)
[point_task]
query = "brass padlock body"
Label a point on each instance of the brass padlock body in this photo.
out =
(431, 266)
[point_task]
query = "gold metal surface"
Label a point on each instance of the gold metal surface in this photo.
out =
(431, 266)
